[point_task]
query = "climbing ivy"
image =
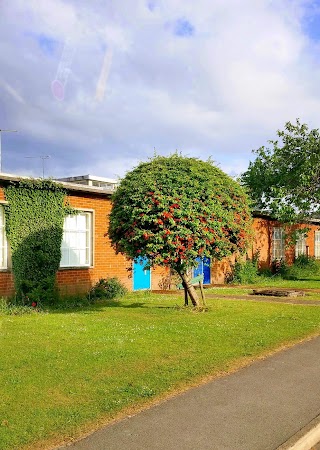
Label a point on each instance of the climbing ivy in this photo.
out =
(34, 226)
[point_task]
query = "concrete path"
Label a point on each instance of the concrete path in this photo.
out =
(257, 408)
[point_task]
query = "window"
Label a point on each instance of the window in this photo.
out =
(77, 241)
(278, 245)
(317, 244)
(3, 242)
(301, 246)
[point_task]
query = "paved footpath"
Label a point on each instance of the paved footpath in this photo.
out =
(257, 408)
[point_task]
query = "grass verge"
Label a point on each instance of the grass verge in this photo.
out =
(66, 371)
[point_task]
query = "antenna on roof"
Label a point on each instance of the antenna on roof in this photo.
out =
(43, 157)
(4, 131)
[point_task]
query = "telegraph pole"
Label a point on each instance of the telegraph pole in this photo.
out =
(4, 131)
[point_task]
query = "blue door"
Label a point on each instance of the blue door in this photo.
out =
(203, 268)
(141, 275)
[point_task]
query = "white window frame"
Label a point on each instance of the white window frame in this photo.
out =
(317, 244)
(278, 243)
(3, 241)
(301, 245)
(71, 241)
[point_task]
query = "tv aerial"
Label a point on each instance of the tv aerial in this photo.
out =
(43, 157)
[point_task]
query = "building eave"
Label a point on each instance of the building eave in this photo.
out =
(6, 179)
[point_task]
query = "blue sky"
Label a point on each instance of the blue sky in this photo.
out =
(100, 85)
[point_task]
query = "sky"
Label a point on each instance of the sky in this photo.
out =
(95, 87)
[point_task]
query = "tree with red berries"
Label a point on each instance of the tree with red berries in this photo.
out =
(175, 209)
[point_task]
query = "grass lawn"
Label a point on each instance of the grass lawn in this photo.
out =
(306, 283)
(65, 372)
(230, 291)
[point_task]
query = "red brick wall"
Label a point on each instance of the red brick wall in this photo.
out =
(6, 278)
(107, 264)
(262, 242)
(105, 261)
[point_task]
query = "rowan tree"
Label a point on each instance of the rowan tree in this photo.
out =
(174, 209)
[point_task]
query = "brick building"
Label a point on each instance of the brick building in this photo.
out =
(87, 254)
(269, 241)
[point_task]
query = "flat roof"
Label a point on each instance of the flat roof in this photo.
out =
(6, 177)
(88, 177)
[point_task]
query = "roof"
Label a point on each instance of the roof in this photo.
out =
(88, 177)
(6, 178)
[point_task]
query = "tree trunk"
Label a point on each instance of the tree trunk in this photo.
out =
(202, 293)
(186, 301)
(190, 289)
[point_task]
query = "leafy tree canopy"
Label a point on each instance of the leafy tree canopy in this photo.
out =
(284, 180)
(174, 209)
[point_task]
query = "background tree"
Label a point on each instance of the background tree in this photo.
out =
(284, 180)
(174, 209)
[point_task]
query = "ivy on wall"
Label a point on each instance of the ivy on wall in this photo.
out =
(34, 226)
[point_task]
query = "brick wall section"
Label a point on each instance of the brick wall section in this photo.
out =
(262, 242)
(106, 262)
(6, 278)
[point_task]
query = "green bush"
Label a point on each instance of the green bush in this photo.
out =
(303, 267)
(35, 215)
(11, 308)
(307, 262)
(279, 267)
(244, 272)
(107, 288)
(42, 292)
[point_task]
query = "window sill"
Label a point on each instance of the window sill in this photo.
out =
(75, 267)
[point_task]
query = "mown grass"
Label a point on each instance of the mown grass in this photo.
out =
(64, 371)
(245, 291)
(306, 283)
(276, 281)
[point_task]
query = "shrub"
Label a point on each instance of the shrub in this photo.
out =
(307, 262)
(11, 308)
(303, 267)
(42, 292)
(279, 267)
(35, 215)
(244, 272)
(107, 288)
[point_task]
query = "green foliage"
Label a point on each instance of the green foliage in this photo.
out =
(245, 272)
(304, 267)
(34, 226)
(64, 372)
(307, 262)
(284, 180)
(174, 209)
(279, 267)
(107, 288)
(10, 308)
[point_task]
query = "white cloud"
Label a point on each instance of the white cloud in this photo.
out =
(246, 68)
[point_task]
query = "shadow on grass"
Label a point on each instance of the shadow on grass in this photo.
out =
(102, 305)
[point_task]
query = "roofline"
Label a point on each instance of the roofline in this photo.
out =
(7, 178)
(265, 215)
(88, 177)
